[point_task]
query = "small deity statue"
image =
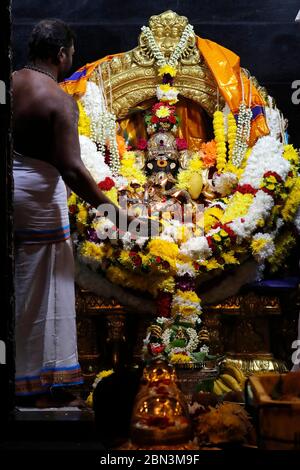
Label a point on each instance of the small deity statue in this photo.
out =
(161, 158)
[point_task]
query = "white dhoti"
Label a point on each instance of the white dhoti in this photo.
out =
(46, 340)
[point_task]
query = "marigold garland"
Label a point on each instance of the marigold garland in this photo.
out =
(283, 245)
(292, 202)
(84, 122)
(129, 170)
(212, 215)
(164, 249)
(237, 207)
(219, 130)
(231, 134)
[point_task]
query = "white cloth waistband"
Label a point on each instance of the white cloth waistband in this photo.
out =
(40, 202)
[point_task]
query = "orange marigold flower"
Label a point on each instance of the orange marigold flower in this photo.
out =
(121, 145)
(209, 150)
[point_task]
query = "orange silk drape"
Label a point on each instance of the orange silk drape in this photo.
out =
(225, 67)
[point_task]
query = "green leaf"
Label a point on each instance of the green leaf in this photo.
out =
(199, 356)
(178, 343)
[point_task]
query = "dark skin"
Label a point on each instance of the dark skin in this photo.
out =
(45, 125)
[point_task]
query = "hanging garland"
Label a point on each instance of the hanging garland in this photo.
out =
(250, 185)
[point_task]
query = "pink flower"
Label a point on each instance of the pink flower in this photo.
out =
(142, 144)
(181, 144)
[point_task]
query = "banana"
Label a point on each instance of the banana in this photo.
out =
(217, 389)
(235, 371)
(222, 386)
(231, 382)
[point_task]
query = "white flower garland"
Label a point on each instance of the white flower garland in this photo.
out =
(170, 94)
(196, 248)
(268, 248)
(94, 160)
(185, 268)
(242, 134)
(178, 51)
(179, 303)
(224, 183)
(103, 124)
(260, 208)
(266, 156)
(191, 345)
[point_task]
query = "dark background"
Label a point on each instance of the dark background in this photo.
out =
(262, 32)
(6, 240)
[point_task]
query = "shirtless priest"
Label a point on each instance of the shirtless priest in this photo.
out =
(46, 157)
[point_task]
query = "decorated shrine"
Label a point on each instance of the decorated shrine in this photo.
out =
(179, 134)
(187, 297)
(178, 131)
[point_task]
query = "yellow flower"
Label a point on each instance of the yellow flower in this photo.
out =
(129, 169)
(93, 250)
(168, 284)
(165, 87)
(238, 206)
(231, 133)
(284, 243)
(72, 201)
(84, 123)
(180, 358)
(112, 194)
(292, 202)
(82, 214)
(219, 130)
(195, 165)
(189, 296)
(162, 112)
(230, 168)
(260, 223)
(128, 159)
(212, 215)
(183, 234)
(216, 237)
(183, 310)
(229, 257)
(291, 154)
(258, 245)
(211, 264)
(223, 233)
(104, 373)
(126, 278)
(168, 251)
(124, 257)
(167, 69)
(89, 400)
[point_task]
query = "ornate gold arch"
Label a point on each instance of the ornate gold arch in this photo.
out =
(131, 78)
